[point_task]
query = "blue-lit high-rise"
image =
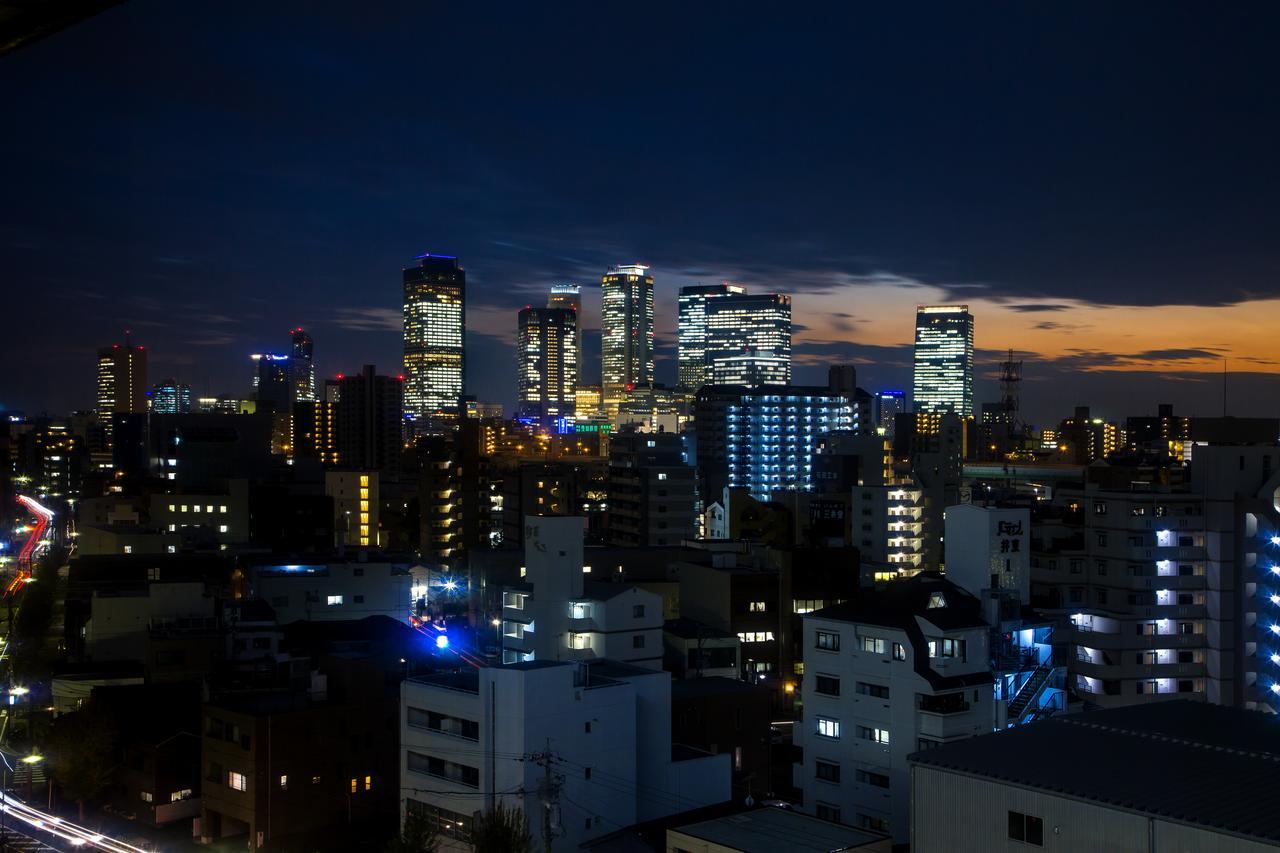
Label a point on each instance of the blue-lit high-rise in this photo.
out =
(944, 360)
(763, 439)
(170, 398)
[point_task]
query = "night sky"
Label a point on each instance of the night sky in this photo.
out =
(1099, 184)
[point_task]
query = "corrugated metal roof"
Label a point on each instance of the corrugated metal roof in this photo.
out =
(1184, 761)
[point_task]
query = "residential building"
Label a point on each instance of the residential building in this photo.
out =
(368, 413)
(989, 555)
(1165, 433)
(943, 379)
(315, 431)
(329, 591)
(559, 614)
(762, 439)
(892, 672)
(601, 730)
(626, 324)
(435, 320)
(213, 519)
(268, 785)
(356, 507)
(547, 369)
(1174, 776)
(651, 490)
(889, 404)
(697, 650)
(569, 296)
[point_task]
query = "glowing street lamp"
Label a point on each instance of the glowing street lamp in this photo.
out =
(19, 691)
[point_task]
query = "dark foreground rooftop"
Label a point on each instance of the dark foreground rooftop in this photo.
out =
(1183, 761)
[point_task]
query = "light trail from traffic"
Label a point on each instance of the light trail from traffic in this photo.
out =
(26, 556)
(73, 834)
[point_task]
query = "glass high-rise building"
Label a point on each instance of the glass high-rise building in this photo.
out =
(944, 360)
(302, 367)
(691, 332)
(171, 398)
(122, 383)
(748, 339)
(435, 321)
(570, 296)
(626, 330)
(547, 355)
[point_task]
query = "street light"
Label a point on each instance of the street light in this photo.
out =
(19, 691)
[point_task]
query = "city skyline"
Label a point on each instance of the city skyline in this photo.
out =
(1067, 254)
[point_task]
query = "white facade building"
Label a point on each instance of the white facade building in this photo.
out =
(888, 527)
(989, 548)
(896, 671)
(561, 616)
(328, 592)
(601, 732)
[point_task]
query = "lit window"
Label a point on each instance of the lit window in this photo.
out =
(222, 508)
(236, 781)
(334, 600)
(828, 727)
(284, 782)
(146, 796)
(355, 785)
(172, 508)
(128, 549)
(222, 528)
(368, 783)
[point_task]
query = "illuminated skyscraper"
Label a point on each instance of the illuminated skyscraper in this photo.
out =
(748, 339)
(171, 398)
(570, 296)
(302, 367)
(547, 352)
(122, 382)
(434, 342)
(691, 332)
(944, 359)
(626, 330)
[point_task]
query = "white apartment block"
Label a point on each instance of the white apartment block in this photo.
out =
(327, 592)
(600, 731)
(899, 670)
(887, 525)
(560, 615)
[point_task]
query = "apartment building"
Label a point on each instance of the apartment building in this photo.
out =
(560, 615)
(898, 670)
(589, 741)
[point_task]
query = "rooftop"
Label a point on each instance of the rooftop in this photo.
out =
(769, 830)
(1183, 761)
(928, 595)
(692, 629)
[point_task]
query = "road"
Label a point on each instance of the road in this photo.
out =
(25, 557)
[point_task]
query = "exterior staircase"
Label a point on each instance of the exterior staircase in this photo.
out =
(1027, 693)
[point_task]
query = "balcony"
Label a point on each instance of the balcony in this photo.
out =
(1129, 641)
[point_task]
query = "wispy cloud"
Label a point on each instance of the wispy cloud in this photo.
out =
(368, 319)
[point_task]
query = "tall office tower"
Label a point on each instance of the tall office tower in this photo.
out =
(944, 360)
(272, 385)
(626, 330)
(889, 404)
(547, 351)
(122, 382)
(170, 398)
(748, 340)
(570, 296)
(302, 367)
(368, 422)
(435, 321)
(691, 332)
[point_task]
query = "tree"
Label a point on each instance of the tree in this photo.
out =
(418, 835)
(501, 830)
(81, 750)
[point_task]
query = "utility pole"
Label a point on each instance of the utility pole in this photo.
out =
(549, 793)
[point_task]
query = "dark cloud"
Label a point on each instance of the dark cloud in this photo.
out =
(1037, 307)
